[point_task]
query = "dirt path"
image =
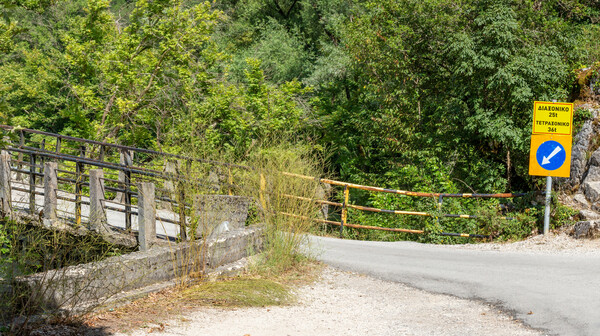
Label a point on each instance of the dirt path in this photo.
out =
(343, 303)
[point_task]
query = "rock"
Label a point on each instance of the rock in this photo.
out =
(591, 190)
(595, 159)
(578, 155)
(589, 215)
(593, 174)
(581, 201)
(595, 85)
(582, 142)
(586, 229)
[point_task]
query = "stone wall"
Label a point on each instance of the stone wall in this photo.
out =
(582, 188)
(66, 288)
(584, 182)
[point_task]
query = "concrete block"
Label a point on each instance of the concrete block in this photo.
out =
(170, 169)
(126, 159)
(5, 189)
(97, 213)
(50, 188)
(212, 211)
(146, 215)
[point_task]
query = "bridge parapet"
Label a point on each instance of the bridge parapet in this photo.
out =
(103, 187)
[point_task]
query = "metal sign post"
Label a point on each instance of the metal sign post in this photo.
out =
(548, 197)
(550, 149)
(548, 200)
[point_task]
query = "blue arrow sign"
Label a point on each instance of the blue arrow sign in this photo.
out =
(551, 155)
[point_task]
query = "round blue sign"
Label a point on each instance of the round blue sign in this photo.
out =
(551, 155)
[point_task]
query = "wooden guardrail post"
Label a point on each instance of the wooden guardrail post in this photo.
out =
(439, 206)
(229, 181)
(263, 187)
(127, 195)
(170, 171)
(5, 190)
(32, 178)
(97, 214)
(125, 159)
(43, 148)
(50, 189)
(345, 209)
(146, 215)
(101, 154)
(79, 169)
(181, 200)
(20, 155)
(58, 143)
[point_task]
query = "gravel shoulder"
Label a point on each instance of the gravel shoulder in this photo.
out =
(348, 303)
(344, 303)
(552, 243)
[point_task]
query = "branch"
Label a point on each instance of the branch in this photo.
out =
(150, 82)
(279, 9)
(109, 105)
(290, 9)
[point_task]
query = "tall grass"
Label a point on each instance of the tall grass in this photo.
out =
(264, 183)
(286, 218)
(259, 177)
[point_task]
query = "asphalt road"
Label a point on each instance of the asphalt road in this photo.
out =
(558, 294)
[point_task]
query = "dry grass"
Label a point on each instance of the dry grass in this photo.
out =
(252, 289)
(241, 292)
(280, 195)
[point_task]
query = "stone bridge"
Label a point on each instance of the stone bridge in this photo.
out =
(180, 212)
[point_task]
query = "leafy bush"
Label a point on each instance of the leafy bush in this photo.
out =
(501, 219)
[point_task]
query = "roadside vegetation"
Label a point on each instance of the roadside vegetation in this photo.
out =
(421, 95)
(272, 274)
(29, 249)
(414, 95)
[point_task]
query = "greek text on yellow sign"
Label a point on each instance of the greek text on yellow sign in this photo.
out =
(552, 118)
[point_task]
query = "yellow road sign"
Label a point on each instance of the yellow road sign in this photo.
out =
(550, 155)
(552, 118)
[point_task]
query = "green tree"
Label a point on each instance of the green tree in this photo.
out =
(449, 80)
(235, 117)
(133, 79)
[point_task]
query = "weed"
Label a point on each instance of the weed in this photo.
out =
(241, 292)
(277, 200)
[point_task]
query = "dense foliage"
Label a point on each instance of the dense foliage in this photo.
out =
(410, 94)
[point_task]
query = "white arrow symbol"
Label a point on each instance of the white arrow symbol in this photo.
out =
(546, 160)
